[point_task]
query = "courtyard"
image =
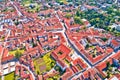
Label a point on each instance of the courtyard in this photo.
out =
(43, 64)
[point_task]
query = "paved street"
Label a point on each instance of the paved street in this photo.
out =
(19, 13)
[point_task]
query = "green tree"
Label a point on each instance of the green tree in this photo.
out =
(57, 68)
(61, 3)
(52, 64)
(110, 10)
(87, 46)
(78, 20)
(104, 39)
(18, 54)
(68, 15)
(37, 10)
(93, 55)
(78, 13)
(108, 64)
(38, 72)
(108, 75)
(17, 22)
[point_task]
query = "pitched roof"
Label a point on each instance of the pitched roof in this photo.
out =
(115, 43)
(62, 51)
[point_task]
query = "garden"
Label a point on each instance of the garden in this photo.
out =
(13, 52)
(10, 76)
(40, 66)
(43, 64)
(112, 69)
(31, 6)
(56, 77)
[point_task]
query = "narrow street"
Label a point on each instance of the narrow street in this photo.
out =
(19, 13)
(63, 31)
(29, 71)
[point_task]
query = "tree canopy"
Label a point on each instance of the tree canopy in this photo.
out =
(78, 20)
(18, 54)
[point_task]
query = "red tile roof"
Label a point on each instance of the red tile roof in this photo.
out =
(63, 49)
(7, 58)
(40, 77)
(61, 63)
(80, 62)
(74, 69)
(103, 65)
(5, 53)
(115, 43)
(67, 74)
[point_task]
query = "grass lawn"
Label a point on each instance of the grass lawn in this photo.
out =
(9, 76)
(14, 51)
(26, 3)
(48, 61)
(43, 64)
